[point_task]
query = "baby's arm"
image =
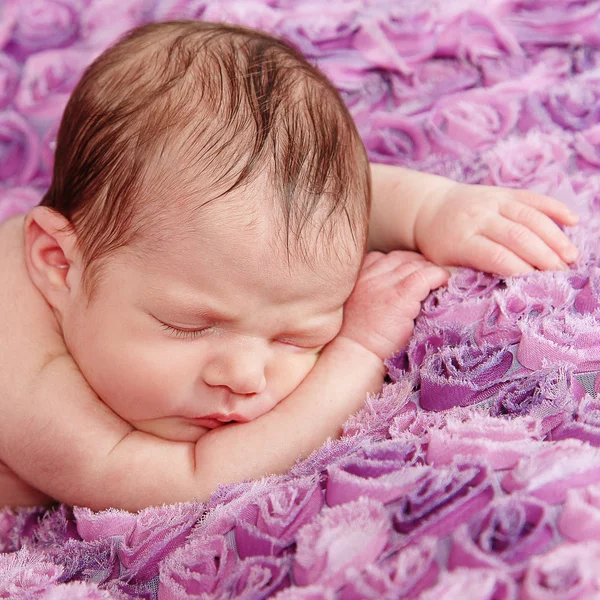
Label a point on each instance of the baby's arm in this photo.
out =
(500, 230)
(57, 435)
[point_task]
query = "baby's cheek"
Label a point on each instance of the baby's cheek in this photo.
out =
(289, 372)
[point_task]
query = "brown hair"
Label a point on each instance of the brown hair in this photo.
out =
(228, 103)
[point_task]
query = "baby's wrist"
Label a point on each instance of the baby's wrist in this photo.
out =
(348, 346)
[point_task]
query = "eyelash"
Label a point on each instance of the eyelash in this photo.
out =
(184, 333)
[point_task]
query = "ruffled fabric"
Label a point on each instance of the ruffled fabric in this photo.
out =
(475, 472)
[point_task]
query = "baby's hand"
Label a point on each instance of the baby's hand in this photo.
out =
(498, 230)
(380, 313)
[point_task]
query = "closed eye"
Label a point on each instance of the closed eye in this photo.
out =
(183, 333)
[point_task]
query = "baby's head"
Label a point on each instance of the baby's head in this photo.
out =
(206, 222)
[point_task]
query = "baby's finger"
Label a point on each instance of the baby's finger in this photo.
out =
(543, 226)
(486, 255)
(418, 284)
(523, 242)
(552, 207)
(389, 262)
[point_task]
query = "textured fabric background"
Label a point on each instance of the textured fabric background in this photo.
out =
(475, 474)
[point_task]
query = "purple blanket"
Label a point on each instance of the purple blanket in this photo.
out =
(475, 474)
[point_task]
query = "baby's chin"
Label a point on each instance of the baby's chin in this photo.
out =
(173, 429)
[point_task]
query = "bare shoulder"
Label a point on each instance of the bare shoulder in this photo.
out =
(30, 331)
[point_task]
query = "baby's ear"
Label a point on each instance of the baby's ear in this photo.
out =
(51, 254)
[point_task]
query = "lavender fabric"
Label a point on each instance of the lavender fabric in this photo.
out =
(475, 473)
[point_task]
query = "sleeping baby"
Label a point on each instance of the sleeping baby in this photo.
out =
(193, 302)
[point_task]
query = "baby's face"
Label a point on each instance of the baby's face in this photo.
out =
(217, 327)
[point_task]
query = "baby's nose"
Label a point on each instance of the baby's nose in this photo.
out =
(243, 373)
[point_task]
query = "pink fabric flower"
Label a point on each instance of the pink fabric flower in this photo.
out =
(462, 375)
(554, 22)
(443, 500)
(15, 201)
(536, 162)
(48, 79)
(384, 471)
(474, 584)
(19, 149)
(584, 422)
(319, 29)
(552, 471)
(76, 590)
(473, 35)
(418, 92)
(104, 21)
(569, 572)
(472, 121)
(309, 592)
(45, 24)
(396, 138)
(574, 104)
(24, 574)
(349, 536)
(260, 577)
(145, 538)
(500, 443)
(405, 574)
(9, 13)
(397, 38)
(10, 73)
(587, 145)
(567, 338)
(579, 519)
(269, 524)
(507, 535)
(201, 569)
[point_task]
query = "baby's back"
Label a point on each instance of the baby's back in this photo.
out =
(22, 311)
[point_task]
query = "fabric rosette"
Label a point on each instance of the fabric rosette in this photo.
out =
(406, 573)
(45, 24)
(102, 23)
(538, 162)
(507, 535)
(144, 539)
(569, 572)
(418, 92)
(348, 536)
(10, 74)
(558, 467)
(541, 22)
(471, 122)
(463, 375)
(574, 105)
(384, 471)
(269, 524)
(474, 36)
(584, 424)
(588, 294)
(17, 200)
(565, 338)
(202, 569)
(24, 574)
(396, 39)
(587, 146)
(393, 136)
(499, 442)
(47, 81)
(309, 592)
(538, 295)
(579, 519)
(320, 30)
(260, 577)
(19, 149)
(443, 500)
(76, 590)
(9, 14)
(474, 584)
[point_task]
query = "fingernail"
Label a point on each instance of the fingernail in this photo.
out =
(571, 254)
(562, 266)
(574, 216)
